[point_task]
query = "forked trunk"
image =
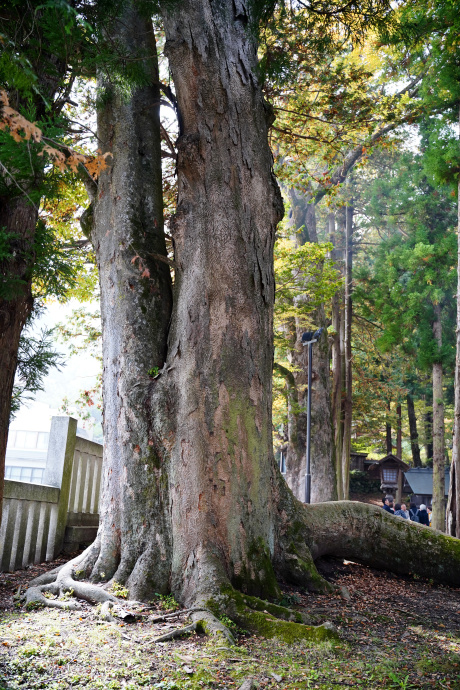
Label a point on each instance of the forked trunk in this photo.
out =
(439, 504)
(192, 499)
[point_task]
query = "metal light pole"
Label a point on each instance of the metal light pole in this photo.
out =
(308, 338)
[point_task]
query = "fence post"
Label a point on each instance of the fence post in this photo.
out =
(58, 472)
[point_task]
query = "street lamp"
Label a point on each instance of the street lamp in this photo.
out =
(308, 338)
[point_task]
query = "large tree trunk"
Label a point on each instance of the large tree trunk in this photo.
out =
(192, 459)
(453, 503)
(413, 432)
(439, 503)
(18, 218)
(348, 373)
(134, 543)
(296, 442)
(222, 471)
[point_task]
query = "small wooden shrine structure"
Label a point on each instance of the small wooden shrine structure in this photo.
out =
(390, 471)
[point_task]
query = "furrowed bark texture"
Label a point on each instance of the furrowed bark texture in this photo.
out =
(136, 302)
(323, 470)
(439, 504)
(18, 219)
(220, 347)
(192, 500)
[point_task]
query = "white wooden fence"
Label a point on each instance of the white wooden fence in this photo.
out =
(39, 521)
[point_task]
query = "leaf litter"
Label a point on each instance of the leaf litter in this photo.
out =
(396, 632)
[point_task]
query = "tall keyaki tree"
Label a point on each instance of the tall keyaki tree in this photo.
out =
(412, 283)
(194, 503)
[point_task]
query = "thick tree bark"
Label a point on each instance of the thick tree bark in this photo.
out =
(192, 457)
(399, 431)
(18, 218)
(221, 353)
(136, 300)
(413, 432)
(348, 403)
(453, 503)
(439, 503)
(19, 215)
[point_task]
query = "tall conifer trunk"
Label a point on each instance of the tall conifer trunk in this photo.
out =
(399, 431)
(348, 372)
(18, 219)
(413, 432)
(439, 504)
(336, 395)
(453, 503)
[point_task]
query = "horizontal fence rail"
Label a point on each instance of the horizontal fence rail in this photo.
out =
(39, 521)
(29, 520)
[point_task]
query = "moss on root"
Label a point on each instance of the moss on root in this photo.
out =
(304, 571)
(266, 625)
(269, 620)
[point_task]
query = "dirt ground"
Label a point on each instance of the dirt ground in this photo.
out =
(395, 632)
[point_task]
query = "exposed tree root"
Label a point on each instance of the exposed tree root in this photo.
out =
(178, 632)
(343, 529)
(175, 614)
(272, 620)
(64, 582)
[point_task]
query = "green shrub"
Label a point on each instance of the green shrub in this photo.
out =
(361, 483)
